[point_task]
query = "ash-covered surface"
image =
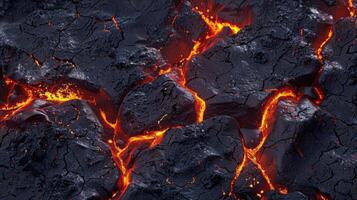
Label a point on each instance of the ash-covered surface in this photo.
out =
(178, 99)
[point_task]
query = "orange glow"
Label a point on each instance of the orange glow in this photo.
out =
(320, 196)
(320, 95)
(122, 156)
(116, 23)
(321, 47)
(63, 94)
(283, 191)
(165, 71)
(262, 171)
(11, 110)
(200, 107)
(267, 119)
(269, 110)
(351, 8)
(215, 25)
(195, 50)
(105, 119)
(237, 173)
(35, 60)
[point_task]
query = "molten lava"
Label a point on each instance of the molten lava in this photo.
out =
(325, 39)
(267, 120)
(123, 154)
(351, 8)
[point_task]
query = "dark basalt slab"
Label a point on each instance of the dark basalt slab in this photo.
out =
(339, 76)
(290, 196)
(240, 71)
(193, 162)
(156, 105)
(79, 40)
(311, 151)
(55, 152)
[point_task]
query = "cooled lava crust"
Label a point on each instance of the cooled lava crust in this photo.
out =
(178, 99)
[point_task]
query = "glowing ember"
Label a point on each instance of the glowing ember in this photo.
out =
(116, 23)
(321, 47)
(351, 8)
(122, 155)
(266, 122)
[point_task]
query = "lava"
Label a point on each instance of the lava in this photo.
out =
(324, 42)
(270, 107)
(116, 23)
(63, 92)
(122, 154)
(351, 8)
(320, 196)
(154, 138)
(267, 119)
(215, 27)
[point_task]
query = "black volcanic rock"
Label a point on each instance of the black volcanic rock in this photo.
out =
(339, 76)
(290, 196)
(310, 150)
(193, 162)
(80, 40)
(55, 152)
(239, 72)
(251, 137)
(161, 103)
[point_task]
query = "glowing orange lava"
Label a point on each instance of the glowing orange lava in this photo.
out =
(215, 27)
(116, 23)
(351, 8)
(320, 196)
(122, 156)
(267, 120)
(324, 42)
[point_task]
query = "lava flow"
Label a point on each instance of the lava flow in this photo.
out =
(269, 110)
(20, 96)
(267, 120)
(351, 8)
(215, 27)
(122, 156)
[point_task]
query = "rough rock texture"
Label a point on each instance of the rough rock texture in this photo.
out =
(239, 72)
(161, 103)
(77, 38)
(189, 159)
(291, 196)
(117, 48)
(54, 152)
(313, 151)
(339, 78)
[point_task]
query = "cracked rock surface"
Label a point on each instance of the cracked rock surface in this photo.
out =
(55, 152)
(127, 77)
(161, 103)
(189, 159)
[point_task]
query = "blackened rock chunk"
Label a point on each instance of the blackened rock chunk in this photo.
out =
(235, 74)
(108, 43)
(339, 77)
(55, 152)
(251, 137)
(161, 103)
(193, 162)
(289, 196)
(310, 150)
